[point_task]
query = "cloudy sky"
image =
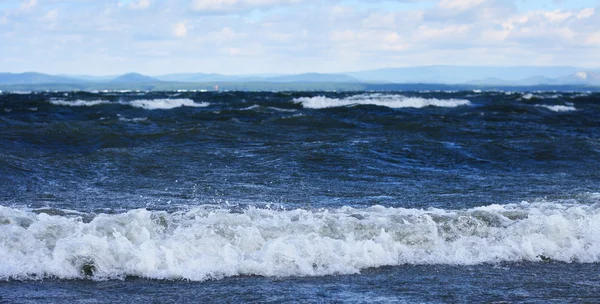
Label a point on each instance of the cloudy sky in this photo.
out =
(108, 37)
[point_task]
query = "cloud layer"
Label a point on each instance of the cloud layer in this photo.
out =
(292, 36)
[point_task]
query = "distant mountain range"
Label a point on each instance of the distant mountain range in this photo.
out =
(442, 75)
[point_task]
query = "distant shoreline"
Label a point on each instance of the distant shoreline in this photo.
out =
(295, 86)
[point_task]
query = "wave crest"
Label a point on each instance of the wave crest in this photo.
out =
(558, 108)
(212, 243)
(166, 104)
(78, 103)
(384, 100)
(148, 104)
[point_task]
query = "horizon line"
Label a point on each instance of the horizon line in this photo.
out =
(583, 69)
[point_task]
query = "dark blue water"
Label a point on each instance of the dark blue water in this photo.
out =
(311, 197)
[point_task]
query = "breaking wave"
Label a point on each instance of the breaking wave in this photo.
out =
(166, 104)
(558, 108)
(148, 104)
(384, 100)
(209, 242)
(78, 103)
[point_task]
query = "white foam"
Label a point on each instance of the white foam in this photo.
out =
(528, 96)
(148, 104)
(384, 100)
(252, 107)
(136, 119)
(78, 103)
(282, 110)
(212, 243)
(166, 104)
(558, 108)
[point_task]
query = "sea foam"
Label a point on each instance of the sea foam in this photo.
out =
(78, 103)
(384, 100)
(208, 242)
(166, 104)
(148, 104)
(558, 108)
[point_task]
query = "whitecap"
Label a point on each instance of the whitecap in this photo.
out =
(558, 108)
(166, 104)
(282, 110)
(528, 96)
(252, 107)
(136, 119)
(208, 242)
(78, 103)
(385, 100)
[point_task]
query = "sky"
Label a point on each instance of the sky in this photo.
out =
(155, 37)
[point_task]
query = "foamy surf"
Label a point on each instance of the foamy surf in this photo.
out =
(148, 104)
(212, 243)
(166, 104)
(558, 108)
(78, 103)
(384, 100)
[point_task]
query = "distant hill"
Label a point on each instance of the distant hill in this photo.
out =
(33, 78)
(492, 81)
(90, 78)
(133, 78)
(578, 78)
(307, 78)
(412, 77)
(582, 77)
(460, 74)
(313, 77)
(197, 77)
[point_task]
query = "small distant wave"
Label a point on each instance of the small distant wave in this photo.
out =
(209, 242)
(78, 103)
(250, 108)
(257, 107)
(148, 104)
(137, 119)
(166, 104)
(529, 96)
(282, 110)
(558, 108)
(384, 100)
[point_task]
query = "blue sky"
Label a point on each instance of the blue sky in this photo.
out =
(155, 37)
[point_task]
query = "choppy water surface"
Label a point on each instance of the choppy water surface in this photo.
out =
(407, 196)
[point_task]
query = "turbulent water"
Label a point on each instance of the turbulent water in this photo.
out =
(234, 190)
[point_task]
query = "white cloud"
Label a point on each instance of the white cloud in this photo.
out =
(246, 36)
(459, 4)
(141, 4)
(28, 4)
(237, 5)
(224, 35)
(586, 13)
(342, 36)
(51, 16)
(180, 30)
(557, 15)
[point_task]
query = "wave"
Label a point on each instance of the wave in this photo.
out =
(558, 108)
(209, 242)
(529, 96)
(136, 119)
(78, 103)
(384, 100)
(166, 104)
(148, 104)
